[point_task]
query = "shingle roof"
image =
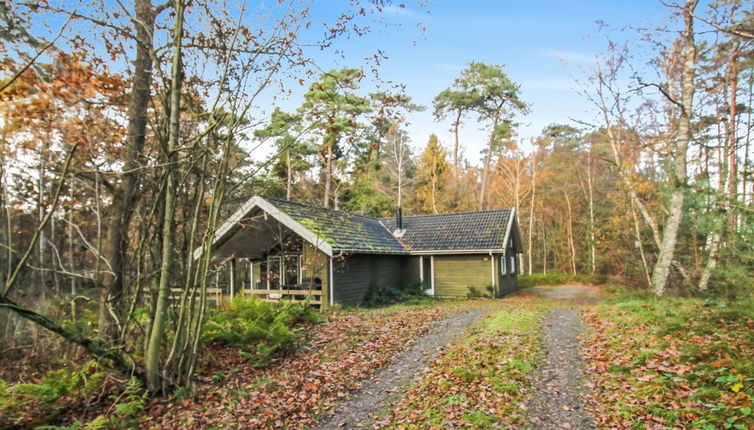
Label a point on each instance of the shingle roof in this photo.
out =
(343, 231)
(463, 231)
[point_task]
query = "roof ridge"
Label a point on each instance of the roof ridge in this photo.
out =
(452, 213)
(313, 206)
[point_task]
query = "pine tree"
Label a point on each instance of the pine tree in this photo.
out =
(432, 174)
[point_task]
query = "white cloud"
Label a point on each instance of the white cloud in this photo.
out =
(570, 56)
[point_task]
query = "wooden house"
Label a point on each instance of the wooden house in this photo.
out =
(281, 249)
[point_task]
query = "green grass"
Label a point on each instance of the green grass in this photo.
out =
(681, 362)
(537, 279)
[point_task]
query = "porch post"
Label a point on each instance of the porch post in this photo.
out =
(432, 273)
(331, 285)
(232, 283)
(492, 273)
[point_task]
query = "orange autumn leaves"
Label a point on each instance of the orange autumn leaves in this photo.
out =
(52, 107)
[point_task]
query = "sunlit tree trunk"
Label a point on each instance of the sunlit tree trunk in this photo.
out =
(328, 174)
(487, 162)
(531, 208)
(157, 334)
(731, 184)
(289, 174)
(569, 230)
(666, 253)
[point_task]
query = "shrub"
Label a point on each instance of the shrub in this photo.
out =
(383, 295)
(56, 392)
(475, 292)
(732, 281)
(262, 331)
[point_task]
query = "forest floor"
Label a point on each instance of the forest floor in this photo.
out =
(560, 357)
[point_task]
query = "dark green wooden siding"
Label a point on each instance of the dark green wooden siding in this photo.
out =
(508, 282)
(411, 270)
(354, 274)
(454, 274)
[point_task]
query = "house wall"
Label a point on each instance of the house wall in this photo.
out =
(354, 274)
(454, 274)
(411, 270)
(508, 282)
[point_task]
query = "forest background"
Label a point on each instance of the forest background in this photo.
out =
(129, 131)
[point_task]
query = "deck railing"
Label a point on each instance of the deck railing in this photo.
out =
(216, 296)
(313, 297)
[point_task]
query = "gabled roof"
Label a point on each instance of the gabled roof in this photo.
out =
(341, 230)
(463, 231)
(335, 231)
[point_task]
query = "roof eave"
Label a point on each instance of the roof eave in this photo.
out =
(368, 251)
(458, 251)
(273, 211)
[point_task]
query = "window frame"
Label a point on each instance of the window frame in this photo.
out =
(513, 265)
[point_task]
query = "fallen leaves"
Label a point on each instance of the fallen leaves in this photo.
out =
(678, 364)
(480, 380)
(340, 353)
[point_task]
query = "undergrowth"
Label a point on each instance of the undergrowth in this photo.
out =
(537, 279)
(262, 331)
(384, 295)
(66, 393)
(673, 362)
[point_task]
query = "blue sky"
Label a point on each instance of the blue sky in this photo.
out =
(543, 46)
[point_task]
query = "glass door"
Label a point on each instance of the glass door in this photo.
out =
(292, 274)
(274, 269)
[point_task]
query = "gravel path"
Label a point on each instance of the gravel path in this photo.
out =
(558, 401)
(360, 410)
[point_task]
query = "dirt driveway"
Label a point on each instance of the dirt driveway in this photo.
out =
(567, 292)
(559, 391)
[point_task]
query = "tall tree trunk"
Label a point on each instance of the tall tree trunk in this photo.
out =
(328, 176)
(531, 207)
(732, 144)
(544, 250)
(661, 269)
(745, 174)
(590, 200)
(156, 336)
(125, 195)
(456, 126)
(289, 174)
(569, 229)
(487, 162)
(731, 184)
(434, 178)
(71, 267)
(640, 244)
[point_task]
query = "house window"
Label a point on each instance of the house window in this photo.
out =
(503, 268)
(513, 264)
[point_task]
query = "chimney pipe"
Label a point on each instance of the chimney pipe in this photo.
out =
(398, 219)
